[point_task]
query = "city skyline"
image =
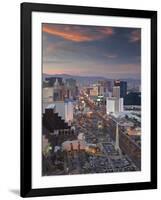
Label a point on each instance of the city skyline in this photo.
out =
(110, 52)
(90, 128)
(91, 99)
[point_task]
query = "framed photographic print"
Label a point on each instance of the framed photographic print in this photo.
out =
(88, 99)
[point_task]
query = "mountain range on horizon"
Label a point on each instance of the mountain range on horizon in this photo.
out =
(77, 77)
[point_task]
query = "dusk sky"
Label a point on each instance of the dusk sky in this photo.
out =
(110, 52)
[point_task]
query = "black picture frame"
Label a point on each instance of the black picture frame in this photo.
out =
(26, 94)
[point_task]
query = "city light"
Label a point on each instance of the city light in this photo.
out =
(91, 111)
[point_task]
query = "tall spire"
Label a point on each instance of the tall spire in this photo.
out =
(117, 146)
(117, 137)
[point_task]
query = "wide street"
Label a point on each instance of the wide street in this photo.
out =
(87, 119)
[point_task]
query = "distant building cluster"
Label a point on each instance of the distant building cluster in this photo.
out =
(115, 103)
(114, 94)
(102, 88)
(55, 89)
(60, 95)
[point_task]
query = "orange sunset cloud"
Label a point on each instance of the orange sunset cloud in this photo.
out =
(76, 33)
